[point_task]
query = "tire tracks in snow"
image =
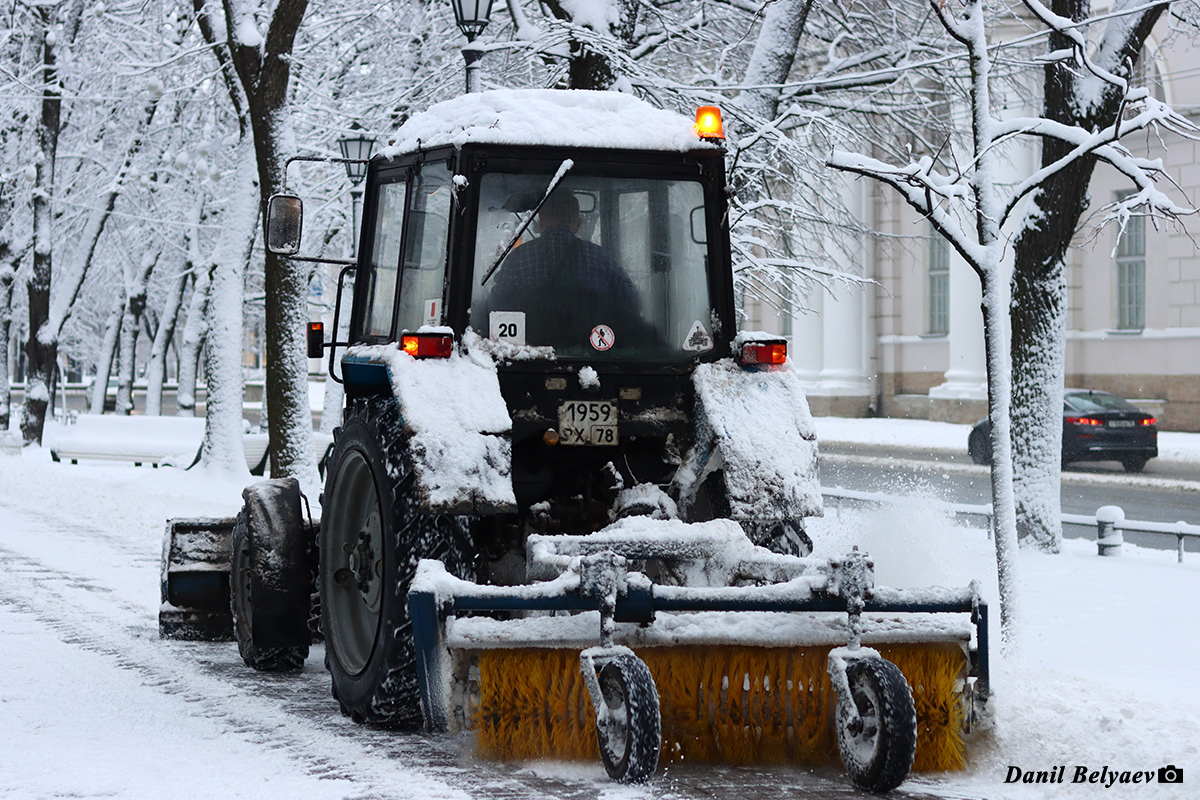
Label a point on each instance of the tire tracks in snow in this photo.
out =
(292, 714)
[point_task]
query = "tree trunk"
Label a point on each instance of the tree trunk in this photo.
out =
(104, 360)
(41, 349)
(264, 71)
(222, 449)
(164, 334)
(6, 282)
(156, 367)
(773, 55)
(131, 328)
(195, 332)
(589, 68)
(1039, 289)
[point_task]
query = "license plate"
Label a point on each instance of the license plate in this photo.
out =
(591, 422)
(1120, 423)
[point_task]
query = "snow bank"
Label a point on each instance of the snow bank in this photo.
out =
(1109, 647)
(157, 440)
(551, 117)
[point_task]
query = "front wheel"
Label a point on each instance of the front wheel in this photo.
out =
(630, 732)
(877, 731)
(270, 583)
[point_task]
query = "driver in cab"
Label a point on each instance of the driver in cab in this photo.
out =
(567, 286)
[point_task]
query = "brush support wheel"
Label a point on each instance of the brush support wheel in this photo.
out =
(631, 731)
(877, 725)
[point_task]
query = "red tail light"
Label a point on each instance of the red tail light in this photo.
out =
(764, 353)
(427, 345)
(316, 339)
(1148, 421)
(1084, 421)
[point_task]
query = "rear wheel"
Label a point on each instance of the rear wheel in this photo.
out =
(877, 732)
(373, 533)
(785, 536)
(1134, 463)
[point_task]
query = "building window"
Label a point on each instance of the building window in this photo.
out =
(1131, 273)
(939, 284)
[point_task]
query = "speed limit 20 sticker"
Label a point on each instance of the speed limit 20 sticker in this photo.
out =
(602, 337)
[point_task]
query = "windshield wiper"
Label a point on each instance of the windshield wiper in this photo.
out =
(563, 169)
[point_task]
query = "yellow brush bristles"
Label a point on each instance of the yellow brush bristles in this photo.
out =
(731, 704)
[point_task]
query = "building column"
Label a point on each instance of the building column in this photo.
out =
(807, 346)
(843, 372)
(966, 377)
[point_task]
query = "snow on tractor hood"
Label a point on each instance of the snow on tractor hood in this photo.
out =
(548, 117)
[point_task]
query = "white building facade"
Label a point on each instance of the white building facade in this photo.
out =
(911, 343)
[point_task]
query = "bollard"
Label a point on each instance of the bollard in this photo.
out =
(1108, 531)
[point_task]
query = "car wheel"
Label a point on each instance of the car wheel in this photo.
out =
(1134, 463)
(979, 447)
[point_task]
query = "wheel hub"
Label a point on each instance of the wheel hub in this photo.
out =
(362, 561)
(356, 548)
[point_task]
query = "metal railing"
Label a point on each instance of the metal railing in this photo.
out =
(1109, 521)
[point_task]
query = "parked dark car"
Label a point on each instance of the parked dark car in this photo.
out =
(1097, 426)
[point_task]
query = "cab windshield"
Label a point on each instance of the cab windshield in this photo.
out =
(607, 269)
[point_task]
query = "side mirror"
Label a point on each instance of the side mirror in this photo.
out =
(316, 339)
(285, 217)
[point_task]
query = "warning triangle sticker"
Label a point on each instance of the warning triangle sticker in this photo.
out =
(697, 338)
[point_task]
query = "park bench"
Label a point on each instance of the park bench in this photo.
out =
(154, 441)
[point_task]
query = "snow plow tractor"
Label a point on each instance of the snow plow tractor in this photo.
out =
(565, 507)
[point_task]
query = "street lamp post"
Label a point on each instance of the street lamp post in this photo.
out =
(472, 17)
(356, 149)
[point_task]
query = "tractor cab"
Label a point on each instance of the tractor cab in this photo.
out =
(580, 239)
(600, 257)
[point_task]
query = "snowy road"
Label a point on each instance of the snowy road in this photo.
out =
(1149, 497)
(94, 704)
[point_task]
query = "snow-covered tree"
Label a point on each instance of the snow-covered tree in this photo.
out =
(256, 68)
(963, 196)
(1088, 88)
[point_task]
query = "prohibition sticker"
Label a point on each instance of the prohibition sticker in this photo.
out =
(602, 337)
(433, 312)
